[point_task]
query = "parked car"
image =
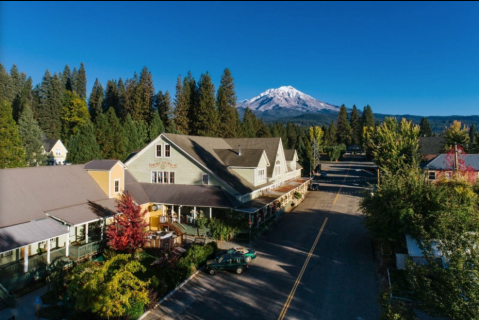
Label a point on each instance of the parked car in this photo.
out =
(249, 254)
(235, 262)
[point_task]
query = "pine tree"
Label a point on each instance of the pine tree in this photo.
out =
(263, 130)
(181, 108)
(4, 83)
(22, 99)
(172, 127)
(356, 128)
(145, 94)
(95, 103)
(67, 78)
(83, 146)
(425, 128)
(12, 154)
(131, 99)
(117, 136)
(54, 108)
(120, 109)
(74, 80)
(343, 129)
(192, 93)
(206, 116)
(131, 132)
(163, 106)
(248, 129)
(31, 136)
(73, 115)
(112, 98)
(367, 119)
(226, 105)
(81, 82)
(472, 134)
(331, 137)
(156, 127)
(143, 133)
(15, 83)
(292, 136)
(102, 136)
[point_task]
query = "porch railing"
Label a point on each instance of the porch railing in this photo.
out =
(9, 299)
(78, 252)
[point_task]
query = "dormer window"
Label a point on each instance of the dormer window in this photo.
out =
(205, 179)
(167, 151)
(58, 152)
(117, 185)
(261, 175)
(158, 150)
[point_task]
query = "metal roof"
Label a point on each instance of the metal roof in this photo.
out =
(106, 165)
(86, 212)
(440, 163)
(414, 250)
(27, 193)
(189, 195)
(134, 188)
(431, 145)
(31, 232)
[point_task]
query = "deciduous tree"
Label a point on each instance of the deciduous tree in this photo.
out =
(73, 115)
(456, 133)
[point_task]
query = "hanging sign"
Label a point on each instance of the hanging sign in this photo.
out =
(163, 165)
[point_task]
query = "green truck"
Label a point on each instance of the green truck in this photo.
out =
(249, 254)
(233, 262)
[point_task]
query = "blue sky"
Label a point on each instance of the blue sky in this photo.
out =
(418, 58)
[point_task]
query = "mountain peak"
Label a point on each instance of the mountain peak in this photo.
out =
(286, 97)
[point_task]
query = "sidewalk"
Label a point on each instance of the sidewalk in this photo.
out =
(26, 306)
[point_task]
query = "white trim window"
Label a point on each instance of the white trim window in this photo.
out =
(53, 243)
(432, 175)
(166, 177)
(158, 151)
(261, 175)
(205, 179)
(163, 177)
(58, 152)
(160, 177)
(117, 186)
(172, 178)
(167, 150)
(153, 176)
(277, 170)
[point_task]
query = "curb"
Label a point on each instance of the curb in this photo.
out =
(172, 292)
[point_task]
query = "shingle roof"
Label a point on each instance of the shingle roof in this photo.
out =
(431, 145)
(270, 145)
(27, 193)
(248, 157)
(440, 163)
(289, 154)
(202, 149)
(86, 212)
(189, 195)
(22, 234)
(133, 187)
(101, 164)
(48, 144)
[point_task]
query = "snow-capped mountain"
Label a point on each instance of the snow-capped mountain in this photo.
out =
(286, 97)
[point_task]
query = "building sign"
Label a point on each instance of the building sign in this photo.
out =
(163, 165)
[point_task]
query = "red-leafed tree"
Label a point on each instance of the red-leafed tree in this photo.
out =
(127, 232)
(463, 171)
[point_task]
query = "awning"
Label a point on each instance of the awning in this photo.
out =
(20, 235)
(270, 197)
(86, 212)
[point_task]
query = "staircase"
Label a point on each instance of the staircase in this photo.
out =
(3, 304)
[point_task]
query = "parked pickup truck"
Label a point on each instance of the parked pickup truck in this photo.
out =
(249, 254)
(235, 262)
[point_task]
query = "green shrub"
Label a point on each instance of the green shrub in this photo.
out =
(201, 222)
(135, 310)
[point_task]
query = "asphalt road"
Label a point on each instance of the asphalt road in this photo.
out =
(316, 263)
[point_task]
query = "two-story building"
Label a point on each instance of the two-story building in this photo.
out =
(55, 151)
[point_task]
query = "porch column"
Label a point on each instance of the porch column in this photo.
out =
(48, 251)
(67, 245)
(179, 214)
(101, 232)
(86, 233)
(211, 213)
(194, 213)
(25, 258)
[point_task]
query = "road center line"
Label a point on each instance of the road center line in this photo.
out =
(339, 191)
(298, 280)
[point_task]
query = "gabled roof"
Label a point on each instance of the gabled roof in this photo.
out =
(202, 150)
(27, 193)
(431, 145)
(86, 212)
(248, 158)
(133, 187)
(269, 145)
(289, 154)
(440, 163)
(48, 144)
(102, 165)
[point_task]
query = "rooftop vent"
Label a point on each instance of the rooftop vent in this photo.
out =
(239, 150)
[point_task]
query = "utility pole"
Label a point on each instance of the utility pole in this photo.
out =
(455, 157)
(315, 153)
